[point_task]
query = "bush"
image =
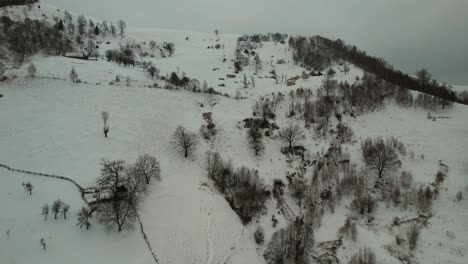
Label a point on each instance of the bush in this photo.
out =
(364, 204)
(413, 236)
(406, 180)
(364, 256)
(259, 235)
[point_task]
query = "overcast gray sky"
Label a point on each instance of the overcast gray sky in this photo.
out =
(409, 34)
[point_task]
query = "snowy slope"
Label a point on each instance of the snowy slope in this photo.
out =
(51, 125)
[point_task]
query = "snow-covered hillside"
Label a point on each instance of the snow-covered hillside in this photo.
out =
(52, 125)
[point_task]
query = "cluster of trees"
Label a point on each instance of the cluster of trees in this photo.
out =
(308, 52)
(17, 2)
(276, 37)
(58, 206)
(62, 35)
(28, 37)
(292, 244)
(90, 29)
(318, 52)
(242, 187)
(174, 79)
(123, 186)
(125, 55)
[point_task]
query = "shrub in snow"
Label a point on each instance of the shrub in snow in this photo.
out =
(105, 117)
(440, 177)
(74, 76)
(348, 230)
(413, 236)
(459, 196)
(259, 235)
(32, 71)
(363, 204)
(406, 180)
(364, 256)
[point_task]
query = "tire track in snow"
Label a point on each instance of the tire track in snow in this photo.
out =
(209, 242)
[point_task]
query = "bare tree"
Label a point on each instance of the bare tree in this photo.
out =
(264, 109)
(122, 26)
(423, 76)
(148, 167)
(346, 68)
(45, 211)
(380, 156)
(65, 209)
(170, 47)
(82, 23)
(84, 217)
(112, 175)
(105, 117)
(291, 134)
(184, 140)
(28, 187)
(244, 81)
(278, 249)
(216, 32)
(120, 213)
(56, 207)
(119, 209)
(329, 84)
(32, 70)
(258, 64)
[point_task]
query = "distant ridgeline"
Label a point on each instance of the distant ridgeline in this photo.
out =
(16, 2)
(318, 52)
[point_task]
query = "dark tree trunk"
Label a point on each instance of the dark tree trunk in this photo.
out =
(186, 153)
(56, 215)
(87, 226)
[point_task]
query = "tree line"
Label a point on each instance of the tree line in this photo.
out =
(319, 52)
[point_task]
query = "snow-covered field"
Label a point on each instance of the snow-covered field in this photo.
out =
(49, 124)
